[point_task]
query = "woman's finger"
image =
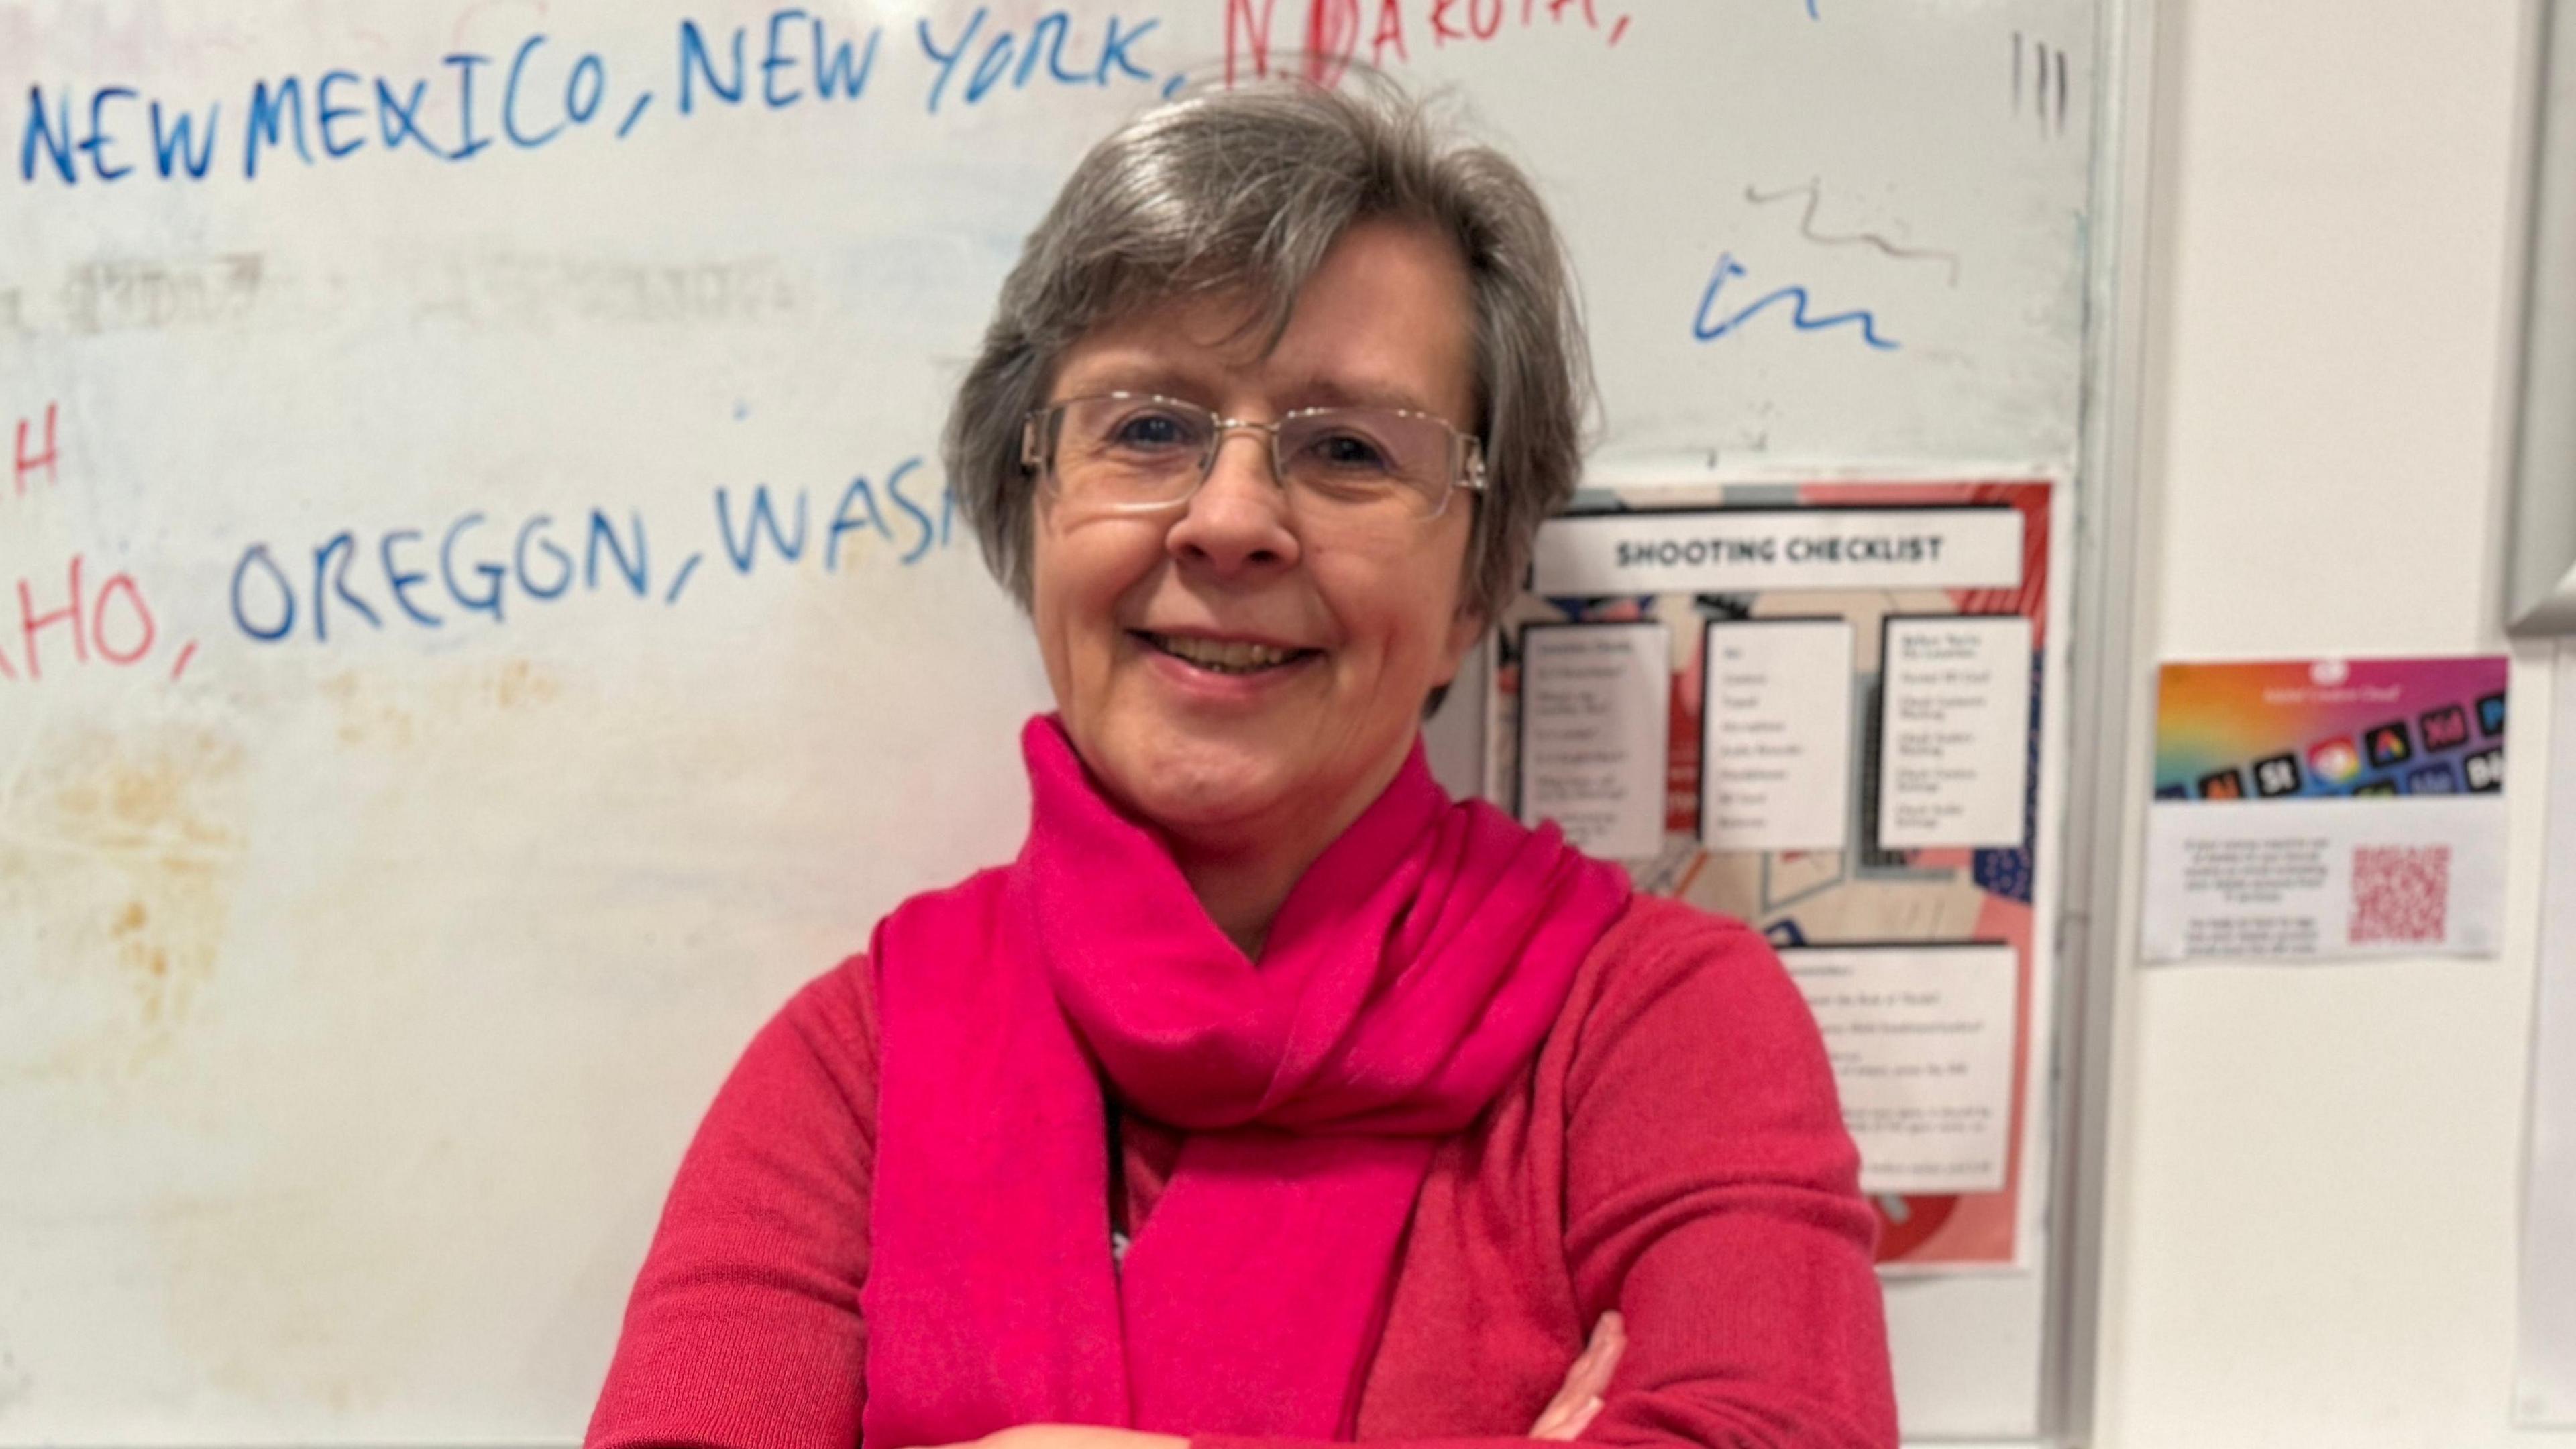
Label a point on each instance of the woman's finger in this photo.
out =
(1586, 1382)
(1564, 1423)
(1552, 1419)
(1589, 1378)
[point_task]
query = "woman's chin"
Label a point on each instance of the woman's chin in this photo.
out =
(1207, 808)
(1201, 790)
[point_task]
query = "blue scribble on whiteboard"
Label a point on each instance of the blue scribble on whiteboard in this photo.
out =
(1707, 330)
(1811, 11)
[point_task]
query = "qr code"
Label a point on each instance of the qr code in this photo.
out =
(2399, 893)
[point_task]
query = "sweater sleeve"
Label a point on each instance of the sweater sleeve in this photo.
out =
(1712, 1197)
(743, 1331)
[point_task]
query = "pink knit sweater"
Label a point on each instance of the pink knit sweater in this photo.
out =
(1673, 1151)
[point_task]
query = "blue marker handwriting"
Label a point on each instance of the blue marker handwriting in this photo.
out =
(544, 89)
(501, 568)
(1713, 322)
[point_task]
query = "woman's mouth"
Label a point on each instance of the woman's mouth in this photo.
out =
(1223, 656)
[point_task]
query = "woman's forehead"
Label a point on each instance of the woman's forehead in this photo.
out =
(1386, 322)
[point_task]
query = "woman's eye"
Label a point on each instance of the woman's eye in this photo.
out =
(1349, 452)
(1153, 431)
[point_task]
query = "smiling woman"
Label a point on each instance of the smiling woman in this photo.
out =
(1270, 1094)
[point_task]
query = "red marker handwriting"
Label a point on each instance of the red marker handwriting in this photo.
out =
(1333, 31)
(84, 620)
(36, 451)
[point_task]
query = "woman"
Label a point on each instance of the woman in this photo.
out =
(1393, 1097)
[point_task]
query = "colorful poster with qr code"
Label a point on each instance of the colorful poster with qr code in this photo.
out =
(1864, 688)
(2313, 809)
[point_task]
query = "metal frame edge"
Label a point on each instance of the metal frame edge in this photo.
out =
(2105, 704)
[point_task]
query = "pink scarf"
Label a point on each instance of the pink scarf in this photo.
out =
(1406, 979)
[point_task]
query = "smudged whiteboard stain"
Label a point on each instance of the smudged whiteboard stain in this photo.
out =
(148, 294)
(272, 1255)
(119, 855)
(540, 291)
(379, 711)
(364, 713)
(516, 290)
(521, 684)
(15, 1382)
(279, 1299)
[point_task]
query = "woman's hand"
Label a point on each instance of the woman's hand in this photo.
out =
(1571, 1411)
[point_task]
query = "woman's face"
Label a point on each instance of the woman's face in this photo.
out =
(1284, 755)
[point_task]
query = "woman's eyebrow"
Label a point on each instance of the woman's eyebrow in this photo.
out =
(1334, 392)
(1121, 374)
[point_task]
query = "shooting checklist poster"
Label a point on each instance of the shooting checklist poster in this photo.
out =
(2307, 809)
(1851, 709)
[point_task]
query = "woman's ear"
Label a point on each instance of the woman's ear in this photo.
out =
(1464, 631)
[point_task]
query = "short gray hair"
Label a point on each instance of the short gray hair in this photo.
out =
(1243, 191)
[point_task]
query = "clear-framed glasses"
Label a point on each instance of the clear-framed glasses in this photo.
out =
(1128, 451)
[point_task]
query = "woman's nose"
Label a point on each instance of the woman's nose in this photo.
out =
(1239, 519)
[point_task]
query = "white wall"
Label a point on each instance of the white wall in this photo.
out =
(2314, 1179)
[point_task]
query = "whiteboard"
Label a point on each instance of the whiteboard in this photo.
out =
(483, 619)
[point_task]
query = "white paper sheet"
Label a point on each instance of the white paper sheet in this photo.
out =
(1776, 714)
(1596, 720)
(1922, 1044)
(2545, 1377)
(2304, 878)
(1954, 743)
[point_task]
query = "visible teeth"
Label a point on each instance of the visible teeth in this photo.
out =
(1225, 656)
